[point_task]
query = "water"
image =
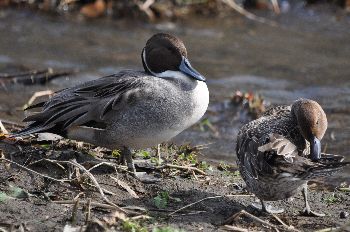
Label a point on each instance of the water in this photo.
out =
(307, 56)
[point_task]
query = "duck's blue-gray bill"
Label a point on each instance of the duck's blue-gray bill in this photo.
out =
(315, 149)
(186, 68)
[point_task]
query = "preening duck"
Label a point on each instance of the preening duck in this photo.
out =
(280, 151)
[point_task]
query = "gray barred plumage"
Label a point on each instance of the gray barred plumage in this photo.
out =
(130, 109)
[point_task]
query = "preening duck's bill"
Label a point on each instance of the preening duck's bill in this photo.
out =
(315, 149)
(186, 68)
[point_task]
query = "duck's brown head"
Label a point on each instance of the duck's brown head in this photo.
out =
(312, 122)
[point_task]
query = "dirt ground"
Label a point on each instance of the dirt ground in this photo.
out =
(31, 202)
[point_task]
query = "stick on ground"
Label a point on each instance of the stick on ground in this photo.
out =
(204, 199)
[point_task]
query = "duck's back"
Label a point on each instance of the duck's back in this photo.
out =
(277, 120)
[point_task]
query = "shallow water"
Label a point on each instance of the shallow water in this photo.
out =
(306, 56)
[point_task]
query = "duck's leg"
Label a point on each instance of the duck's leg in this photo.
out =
(307, 211)
(267, 208)
(126, 157)
(158, 155)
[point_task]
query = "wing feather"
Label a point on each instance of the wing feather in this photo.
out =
(86, 104)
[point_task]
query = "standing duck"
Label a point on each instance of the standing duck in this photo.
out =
(280, 151)
(130, 109)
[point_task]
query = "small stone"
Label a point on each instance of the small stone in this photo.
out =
(344, 214)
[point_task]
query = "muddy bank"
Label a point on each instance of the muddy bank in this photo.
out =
(35, 203)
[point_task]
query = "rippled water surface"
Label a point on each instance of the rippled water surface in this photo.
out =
(308, 55)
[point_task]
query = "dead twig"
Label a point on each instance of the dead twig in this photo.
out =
(3, 129)
(336, 229)
(32, 76)
(145, 7)
(276, 7)
(194, 203)
(231, 219)
(36, 95)
(285, 226)
(204, 199)
(188, 168)
(125, 186)
(190, 213)
(239, 9)
(114, 165)
(35, 172)
(141, 217)
(234, 228)
(129, 209)
(10, 123)
(330, 229)
(27, 73)
(92, 178)
(75, 164)
(93, 204)
(88, 211)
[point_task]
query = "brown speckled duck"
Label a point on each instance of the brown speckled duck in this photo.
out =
(280, 151)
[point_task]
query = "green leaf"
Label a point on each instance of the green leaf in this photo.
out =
(161, 200)
(116, 153)
(3, 197)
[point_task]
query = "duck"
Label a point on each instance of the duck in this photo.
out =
(278, 153)
(130, 109)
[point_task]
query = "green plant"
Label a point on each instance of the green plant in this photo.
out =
(236, 173)
(203, 165)
(3, 197)
(144, 154)
(205, 123)
(161, 200)
(223, 166)
(331, 199)
(185, 159)
(17, 192)
(132, 226)
(45, 146)
(116, 153)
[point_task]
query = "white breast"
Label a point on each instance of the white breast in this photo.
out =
(200, 101)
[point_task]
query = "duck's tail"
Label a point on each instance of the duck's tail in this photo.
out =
(326, 166)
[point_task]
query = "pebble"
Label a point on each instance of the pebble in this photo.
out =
(344, 214)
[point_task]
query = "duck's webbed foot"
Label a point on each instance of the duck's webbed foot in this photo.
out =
(263, 207)
(307, 210)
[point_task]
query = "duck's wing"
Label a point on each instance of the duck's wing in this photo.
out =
(85, 105)
(275, 155)
(284, 159)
